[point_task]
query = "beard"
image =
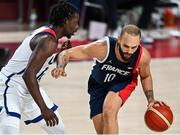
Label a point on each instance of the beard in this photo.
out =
(125, 56)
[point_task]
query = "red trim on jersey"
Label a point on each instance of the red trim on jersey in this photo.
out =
(138, 60)
(50, 31)
(54, 34)
(126, 92)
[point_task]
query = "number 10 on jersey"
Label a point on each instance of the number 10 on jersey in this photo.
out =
(109, 77)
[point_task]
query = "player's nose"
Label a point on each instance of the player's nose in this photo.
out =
(129, 50)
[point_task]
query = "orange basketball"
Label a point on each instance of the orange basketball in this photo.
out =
(159, 117)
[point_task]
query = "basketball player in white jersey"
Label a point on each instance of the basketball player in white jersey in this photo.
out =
(21, 97)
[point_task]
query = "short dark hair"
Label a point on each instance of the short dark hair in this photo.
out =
(61, 12)
(131, 29)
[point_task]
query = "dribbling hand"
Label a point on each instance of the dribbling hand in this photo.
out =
(155, 103)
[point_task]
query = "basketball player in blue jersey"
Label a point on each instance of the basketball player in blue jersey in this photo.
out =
(118, 61)
(20, 94)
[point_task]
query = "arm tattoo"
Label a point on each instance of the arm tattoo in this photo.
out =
(64, 59)
(149, 95)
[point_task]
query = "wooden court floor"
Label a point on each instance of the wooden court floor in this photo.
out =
(71, 95)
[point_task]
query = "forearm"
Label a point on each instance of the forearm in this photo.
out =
(147, 86)
(76, 53)
(63, 59)
(33, 88)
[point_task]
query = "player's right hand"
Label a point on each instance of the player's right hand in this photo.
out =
(57, 72)
(156, 103)
(50, 117)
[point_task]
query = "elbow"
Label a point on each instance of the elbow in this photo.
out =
(26, 75)
(145, 76)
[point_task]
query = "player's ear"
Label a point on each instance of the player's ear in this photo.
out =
(64, 24)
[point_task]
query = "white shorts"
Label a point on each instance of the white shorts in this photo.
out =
(17, 101)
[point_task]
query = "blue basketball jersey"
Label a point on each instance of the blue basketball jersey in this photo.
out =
(111, 71)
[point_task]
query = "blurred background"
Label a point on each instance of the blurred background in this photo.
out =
(97, 17)
(158, 19)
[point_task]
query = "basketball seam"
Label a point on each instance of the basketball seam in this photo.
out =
(160, 115)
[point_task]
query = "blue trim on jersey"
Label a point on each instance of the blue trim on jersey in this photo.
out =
(14, 114)
(51, 61)
(39, 118)
(1, 108)
(42, 73)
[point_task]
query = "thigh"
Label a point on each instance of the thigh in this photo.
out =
(10, 98)
(8, 124)
(31, 112)
(96, 103)
(97, 96)
(6, 119)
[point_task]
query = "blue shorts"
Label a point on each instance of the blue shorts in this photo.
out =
(98, 93)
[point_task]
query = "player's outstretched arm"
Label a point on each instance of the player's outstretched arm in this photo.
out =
(146, 78)
(83, 52)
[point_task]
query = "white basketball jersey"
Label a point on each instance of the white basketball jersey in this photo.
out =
(17, 64)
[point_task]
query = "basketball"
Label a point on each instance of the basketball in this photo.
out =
(158, 117)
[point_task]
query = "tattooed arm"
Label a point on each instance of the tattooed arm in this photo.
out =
(149, 95)
(145, 74)
(62, 60)
(95, 49)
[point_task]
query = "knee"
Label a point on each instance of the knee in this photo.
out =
(109, 114)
